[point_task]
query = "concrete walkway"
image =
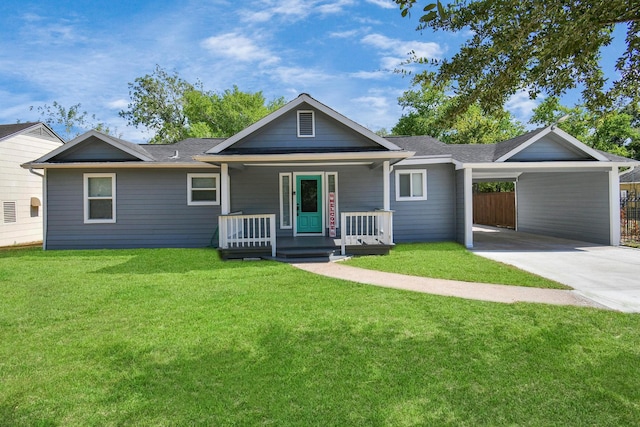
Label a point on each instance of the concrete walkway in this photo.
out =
(453, 288)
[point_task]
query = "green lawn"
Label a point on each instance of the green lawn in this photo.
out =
(448, 260)
(177, 337)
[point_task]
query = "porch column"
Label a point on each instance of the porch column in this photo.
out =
(468, 208)
(614, 207)
(386, 196)
(225, 199)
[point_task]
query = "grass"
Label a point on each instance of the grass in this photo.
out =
(177, 337)
(448, 260)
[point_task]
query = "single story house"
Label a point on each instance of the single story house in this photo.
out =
(20, 189)
(306, 173)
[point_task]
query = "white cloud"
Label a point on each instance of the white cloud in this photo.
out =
(299, 76)
(370, 75)
(385, 4)
(521, 106)
(118, 104)
(293, 10)
(403, 48)
(240, 48)
(344, 34)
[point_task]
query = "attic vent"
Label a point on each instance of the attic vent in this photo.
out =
(9, 209)
(306, 124)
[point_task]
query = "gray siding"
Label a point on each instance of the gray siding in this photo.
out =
(570, 205)
(151, 211)
(281, 135)
(460, 212)
(255, 190)
(547, 149)
(93, 149)
(433, 219)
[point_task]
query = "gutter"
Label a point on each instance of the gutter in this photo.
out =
(44, 207)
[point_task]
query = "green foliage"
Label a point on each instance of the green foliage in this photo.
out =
(157, 102)
(541, 47)
(428, 108)
(174, 337)
(72, 120)
(616, 132)
(214, 115)
(174, 109)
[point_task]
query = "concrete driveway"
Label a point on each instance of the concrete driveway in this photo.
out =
(607, 275)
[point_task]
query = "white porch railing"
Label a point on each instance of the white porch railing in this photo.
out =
(247, 231)
(366, 228)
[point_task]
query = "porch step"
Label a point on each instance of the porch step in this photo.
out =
(306, 252)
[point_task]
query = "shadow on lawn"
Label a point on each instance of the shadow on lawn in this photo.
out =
(336, 375)
(148, 261)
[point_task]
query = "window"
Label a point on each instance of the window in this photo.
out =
(332, 187)
(286, 196)
(306, 124)
(99, 197)
(203, 189)
(9, 212)
(411, 185)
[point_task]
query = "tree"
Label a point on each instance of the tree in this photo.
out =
(157, 103)
(613, 132)
(541, 47)
(427, 107)
(73, 121)
(174, 109)
(213, 115)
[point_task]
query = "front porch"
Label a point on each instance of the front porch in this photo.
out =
(254, 236)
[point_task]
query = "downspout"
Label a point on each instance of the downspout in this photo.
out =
(44, 206)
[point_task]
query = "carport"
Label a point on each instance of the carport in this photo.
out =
(563, 188)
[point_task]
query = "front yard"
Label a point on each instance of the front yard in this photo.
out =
(177, 337)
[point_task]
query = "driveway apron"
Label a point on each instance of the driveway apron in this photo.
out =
(608, 275)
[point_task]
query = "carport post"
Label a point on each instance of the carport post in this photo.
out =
(468, 208)
(614, 206)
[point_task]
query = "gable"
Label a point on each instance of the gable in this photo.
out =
(367, 140)
(304, 129)
(550, 148)
(93, 149)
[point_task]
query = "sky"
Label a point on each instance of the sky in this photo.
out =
(341, 52)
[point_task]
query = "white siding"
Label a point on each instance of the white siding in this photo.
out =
(19, 185)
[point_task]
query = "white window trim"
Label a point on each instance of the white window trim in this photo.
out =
(313, 123)
(88, 220)
(411, 172)
(191, 202)
(326, 178)
(282, 198)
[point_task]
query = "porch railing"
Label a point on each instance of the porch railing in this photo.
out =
(247, 231)
(366, 228)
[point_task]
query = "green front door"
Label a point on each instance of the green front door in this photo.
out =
(309, 203)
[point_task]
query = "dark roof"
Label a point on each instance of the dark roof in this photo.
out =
(428, 146)
(185, 149)
(504, 147)
(8, 130)
(631, 176)
(473, 153)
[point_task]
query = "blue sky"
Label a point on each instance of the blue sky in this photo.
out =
(341, 52)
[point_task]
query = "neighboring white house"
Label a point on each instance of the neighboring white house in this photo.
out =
(21, 201)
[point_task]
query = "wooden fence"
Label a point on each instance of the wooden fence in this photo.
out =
(497, 209)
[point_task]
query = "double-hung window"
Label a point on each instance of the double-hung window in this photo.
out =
(203, 189)
(411, 184)
(99, 197)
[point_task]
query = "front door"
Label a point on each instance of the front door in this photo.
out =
(309, 203)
